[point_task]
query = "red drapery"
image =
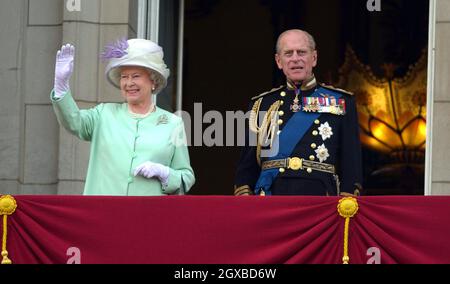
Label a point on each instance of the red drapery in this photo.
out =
(227, 229)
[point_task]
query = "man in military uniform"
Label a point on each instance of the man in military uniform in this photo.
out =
(306, 139)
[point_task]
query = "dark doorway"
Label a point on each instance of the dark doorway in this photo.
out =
(229, 58)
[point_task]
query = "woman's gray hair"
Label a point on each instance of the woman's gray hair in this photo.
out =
(155, 78)
(311, 41)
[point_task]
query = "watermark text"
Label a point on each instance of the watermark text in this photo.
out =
(73, 5)
(373, 5)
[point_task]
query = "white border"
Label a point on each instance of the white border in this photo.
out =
(153, 21)
(430, 97)
(179, 98)
(142, 19)
(148, 22)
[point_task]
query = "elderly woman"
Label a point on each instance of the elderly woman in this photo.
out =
(136, 147)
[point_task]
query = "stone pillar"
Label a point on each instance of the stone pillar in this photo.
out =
(29, 132)
(12, 13)
(36, 155)
(440, 152)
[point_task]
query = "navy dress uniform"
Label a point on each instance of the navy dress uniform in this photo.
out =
(301, 140)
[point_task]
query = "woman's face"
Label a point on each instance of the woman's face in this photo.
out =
(136, 85)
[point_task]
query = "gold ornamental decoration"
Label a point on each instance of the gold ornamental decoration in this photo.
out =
(8, 206)
(391, 110)
(295, 163)
(347, 208)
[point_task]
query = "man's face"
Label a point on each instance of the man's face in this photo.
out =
(295, 57)
(135, 85)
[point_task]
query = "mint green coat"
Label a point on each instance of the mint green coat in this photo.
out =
(119, 143)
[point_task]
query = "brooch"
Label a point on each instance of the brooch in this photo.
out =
(162, 119)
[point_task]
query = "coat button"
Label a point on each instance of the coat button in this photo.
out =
(130, 179)
(280, 122)
(317, 121)
(281, 113)
(283, 94)
(281, 170)
(312, 158)
(309, 170)
(281, 102)
(315, 133)
(313, 145)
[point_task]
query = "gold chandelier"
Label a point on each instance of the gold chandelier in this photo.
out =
(391, 111)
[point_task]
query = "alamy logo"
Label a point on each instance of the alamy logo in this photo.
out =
(225, 130)
(74, 255)
(374, 5)
(375, 255)
(73, 5)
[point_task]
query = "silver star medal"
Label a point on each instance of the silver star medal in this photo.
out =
(322, 153)
(325, 131)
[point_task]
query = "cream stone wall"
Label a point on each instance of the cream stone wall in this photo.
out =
(36, 155)
(440, 153)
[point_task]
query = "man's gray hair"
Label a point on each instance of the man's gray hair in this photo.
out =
(312, 42)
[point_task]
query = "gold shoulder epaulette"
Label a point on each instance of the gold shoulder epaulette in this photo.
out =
(269, 92)
(336, 89)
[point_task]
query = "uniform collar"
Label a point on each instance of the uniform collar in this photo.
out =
(305, 86)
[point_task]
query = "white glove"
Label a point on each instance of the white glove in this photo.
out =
(153, 170)
(63, 69)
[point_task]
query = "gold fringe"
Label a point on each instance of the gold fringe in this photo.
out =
(253, 121)
(258, 152)
(267, 129)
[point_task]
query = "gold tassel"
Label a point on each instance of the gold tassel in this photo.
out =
(270, 118)
(7, 207)
(263, 132)
(253, 121)
(347, 208)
